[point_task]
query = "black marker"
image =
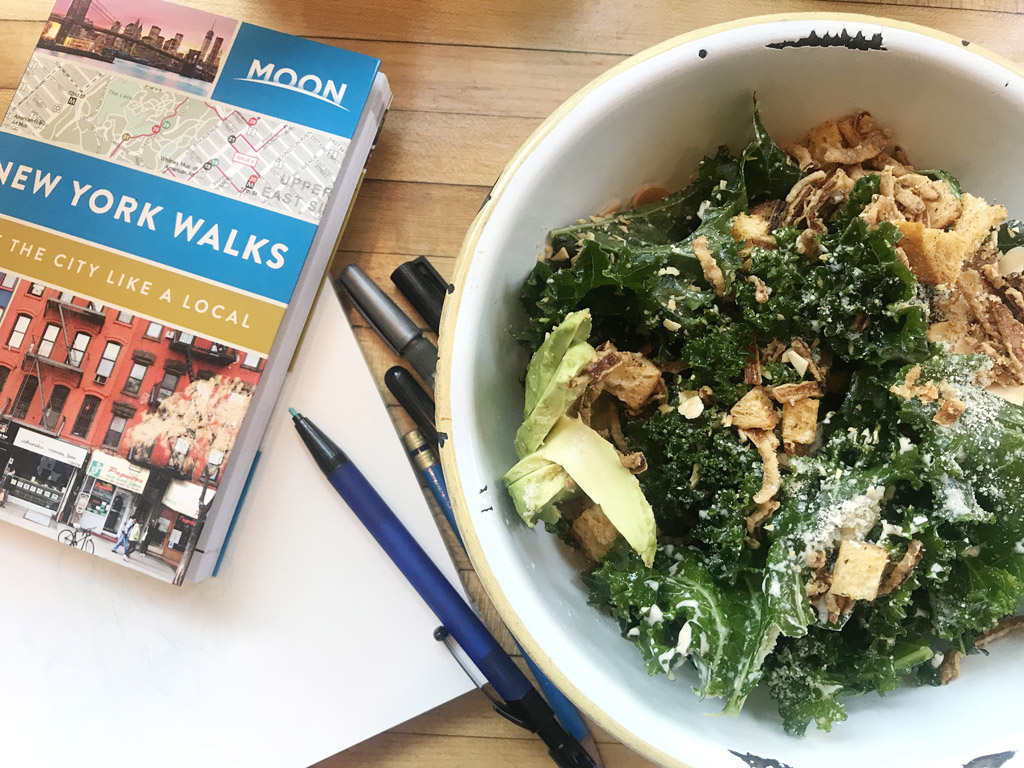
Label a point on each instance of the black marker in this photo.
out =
(390, 322)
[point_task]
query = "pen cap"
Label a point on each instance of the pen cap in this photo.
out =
(414, 399)
(424, 287)
(379, 310)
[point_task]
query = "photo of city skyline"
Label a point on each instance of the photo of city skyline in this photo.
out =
(154, 40)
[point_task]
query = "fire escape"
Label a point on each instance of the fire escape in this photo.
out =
(48, 354)
(198, 350)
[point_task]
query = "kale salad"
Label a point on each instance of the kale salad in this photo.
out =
(779, 411)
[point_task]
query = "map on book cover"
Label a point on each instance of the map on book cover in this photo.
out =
(163, 173)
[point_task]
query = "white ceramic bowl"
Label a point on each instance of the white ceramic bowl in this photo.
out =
(650, 120)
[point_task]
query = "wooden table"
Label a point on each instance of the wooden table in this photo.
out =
(471, 80)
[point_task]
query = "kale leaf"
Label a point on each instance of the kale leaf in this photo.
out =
(640, 264)
(676, 610)
(699, 478)
(864, 189)
(662, 222)
(616, 287)
(1011, 235)
(769, 172)
(862, 300)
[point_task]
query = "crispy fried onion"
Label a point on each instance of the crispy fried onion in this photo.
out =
(981, 316)
(1000, 630)
(635, 462)
(949, 669)
(850, 140)
(815, 197)
(817, 371)
(752, 371)
(838, 605)
(900, 571)
(767, 445)
(761, 515)
(712, 272)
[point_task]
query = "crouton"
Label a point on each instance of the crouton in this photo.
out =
(859, 568)
(629, 377)
(936, 257)
(754, 411)
(594, 532)
(799, 423)
(634, 382)
(791, 393)
(977, 220)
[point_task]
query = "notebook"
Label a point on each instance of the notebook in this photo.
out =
(173, 184)
(308, 641)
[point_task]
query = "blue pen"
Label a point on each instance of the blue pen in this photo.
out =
(523, 704)
(567, 714)
(425, 461)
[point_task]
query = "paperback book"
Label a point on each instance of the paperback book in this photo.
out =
(173, 184)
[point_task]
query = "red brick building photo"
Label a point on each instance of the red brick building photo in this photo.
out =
(106, 415)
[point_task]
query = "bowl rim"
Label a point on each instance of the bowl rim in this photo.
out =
(463, 262)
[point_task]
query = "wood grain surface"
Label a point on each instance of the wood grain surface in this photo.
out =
(471, 80)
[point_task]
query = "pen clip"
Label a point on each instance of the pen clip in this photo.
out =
(443, 636)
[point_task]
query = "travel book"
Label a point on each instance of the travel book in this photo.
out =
(173, 184)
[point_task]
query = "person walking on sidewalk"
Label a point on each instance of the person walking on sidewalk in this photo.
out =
(5, 484)
(122, 538)
(133, 538)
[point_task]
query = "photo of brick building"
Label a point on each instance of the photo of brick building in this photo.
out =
(106, 416)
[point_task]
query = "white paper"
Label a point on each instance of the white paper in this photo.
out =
(308, 641)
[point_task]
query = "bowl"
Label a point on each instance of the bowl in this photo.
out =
(650, 119)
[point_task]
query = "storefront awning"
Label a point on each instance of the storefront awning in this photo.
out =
(183, 497)
(54, 449)
(117, 471)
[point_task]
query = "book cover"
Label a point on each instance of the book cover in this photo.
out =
(164, 173)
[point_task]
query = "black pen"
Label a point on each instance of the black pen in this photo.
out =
(390, 322)
(522, 705)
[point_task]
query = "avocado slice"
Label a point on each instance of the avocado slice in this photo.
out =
(594, 466)
(524, 467)
(538, 493)
(557, 398)
(574, 329)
